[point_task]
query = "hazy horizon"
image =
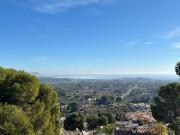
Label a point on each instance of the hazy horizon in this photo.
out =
(113, 76)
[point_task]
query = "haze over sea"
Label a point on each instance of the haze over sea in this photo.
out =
(121, 76)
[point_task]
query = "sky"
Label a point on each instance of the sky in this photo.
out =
(55, 37)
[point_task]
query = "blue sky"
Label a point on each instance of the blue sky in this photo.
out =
(55, 37)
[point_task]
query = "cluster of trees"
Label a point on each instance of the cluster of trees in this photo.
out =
(77, 121)
(105, 100)
(26, 106)
(73, 107)
(74, 121)
(95, 121)
(166, 106)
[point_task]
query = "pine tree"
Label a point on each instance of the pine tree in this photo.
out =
(26, 106)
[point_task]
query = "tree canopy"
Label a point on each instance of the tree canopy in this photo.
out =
(92, 121)
(26, 106)
(177, 68)
(73, 107)
(17, 87)
(166, 106)
(74, 121)
(111, 118)
(105, 100)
